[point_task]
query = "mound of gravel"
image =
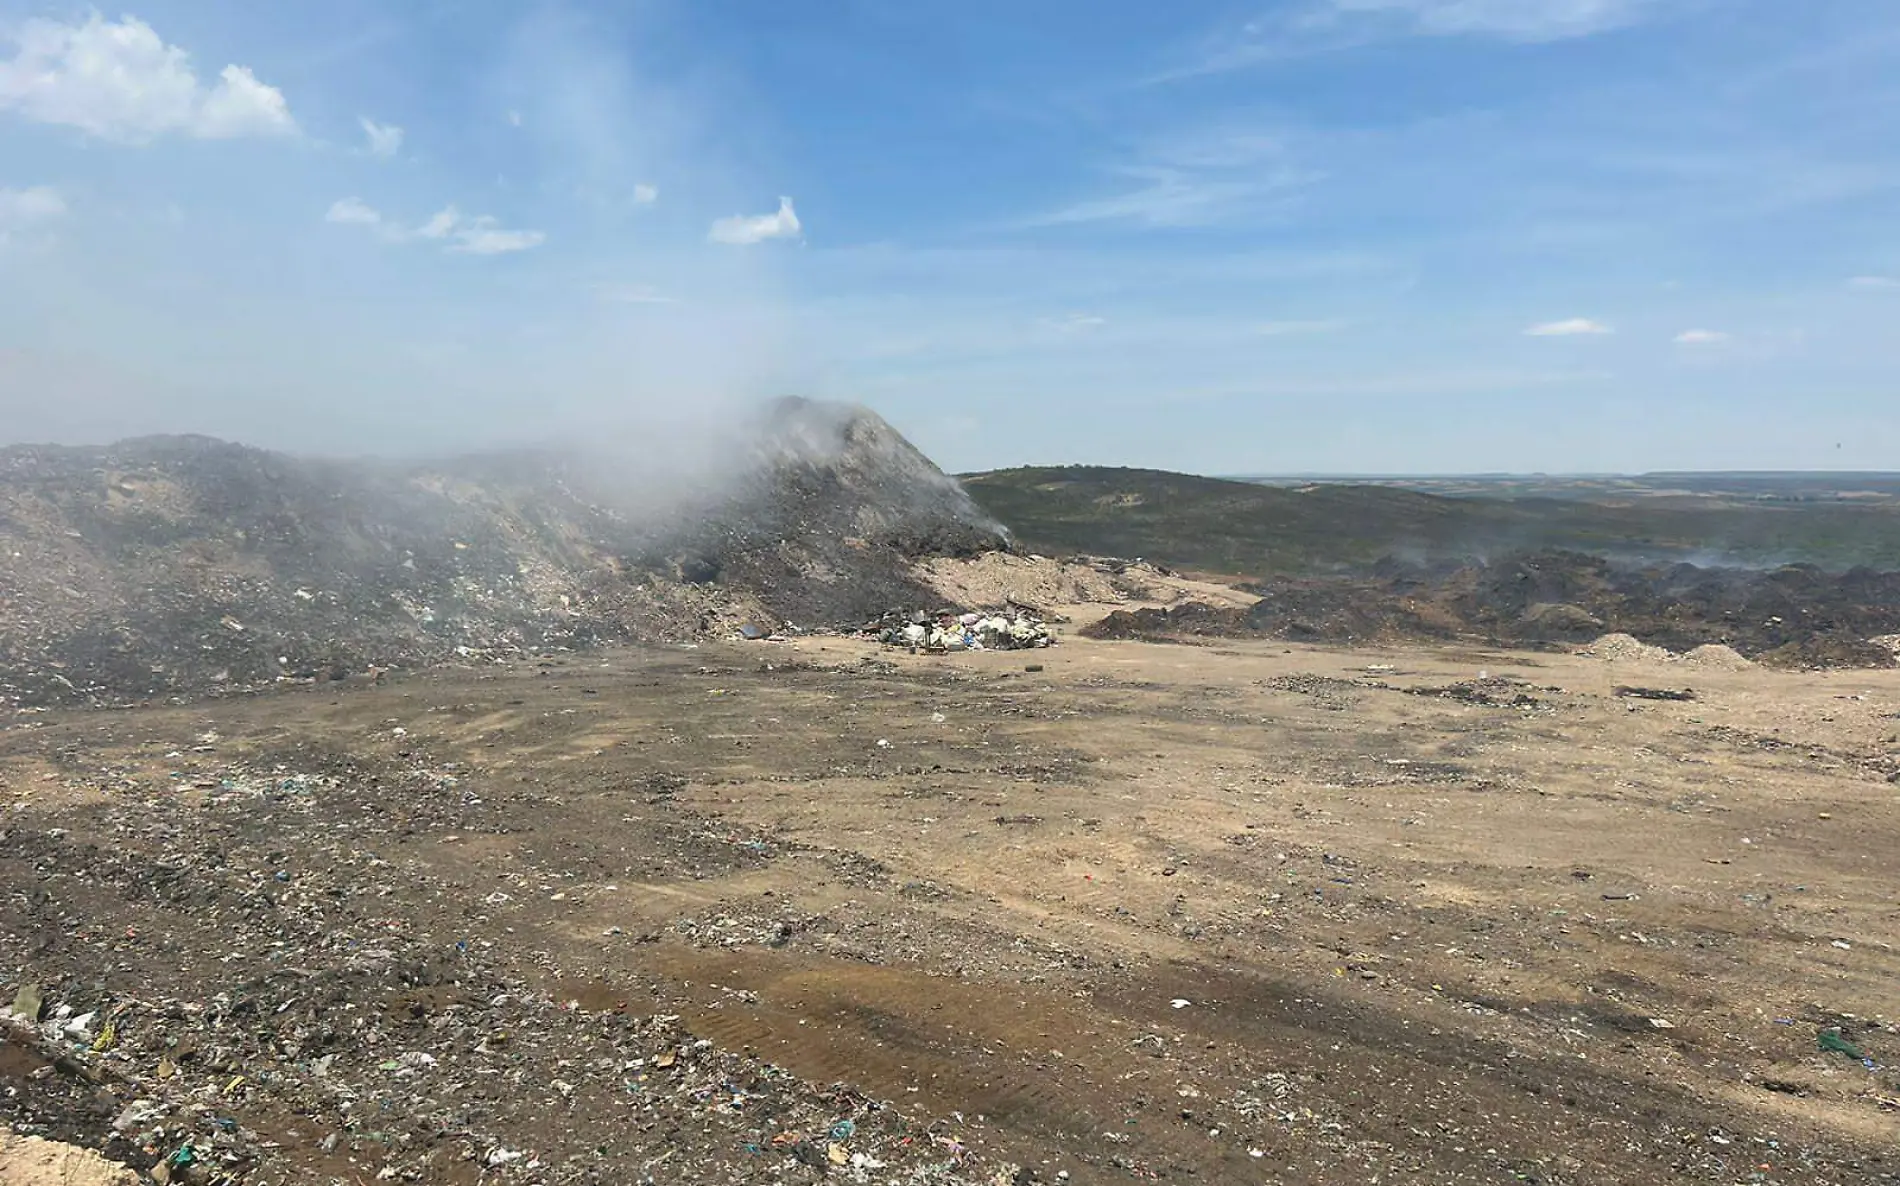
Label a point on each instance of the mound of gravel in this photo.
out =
(1624, 648)
(1715, 656)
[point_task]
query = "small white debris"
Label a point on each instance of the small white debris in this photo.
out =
(1661, 1024)
(1179, 1003)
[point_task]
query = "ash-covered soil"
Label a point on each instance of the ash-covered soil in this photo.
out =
(813, 912)
(184, 564)
(1791, 617)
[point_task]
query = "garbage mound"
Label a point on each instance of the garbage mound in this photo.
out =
(1796, 616)
(167, 565)
(946, 631)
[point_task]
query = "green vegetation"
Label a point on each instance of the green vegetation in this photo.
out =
(1242, 528)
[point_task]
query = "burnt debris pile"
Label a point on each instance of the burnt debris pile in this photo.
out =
(171, 564)
(1794, 616)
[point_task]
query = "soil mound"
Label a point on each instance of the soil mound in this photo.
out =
(1003, 578)
(172, 564)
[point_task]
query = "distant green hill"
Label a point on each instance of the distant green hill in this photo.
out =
(1243, 528)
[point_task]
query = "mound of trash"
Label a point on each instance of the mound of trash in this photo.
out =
(946, 631)
(184, 564)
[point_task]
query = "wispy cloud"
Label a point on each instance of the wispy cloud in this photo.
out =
(484, 236)
(1882, 282)
(35, 203)
(28, 208)
(121, 81)
(1320, 26)
(1170, 197)
(744, 230)
(385, 140)
(481, 235)
(440, 223)
(1701, 337)
(1569, 328)
(1513, 20)
(353, 212)
(1197, 178)
(645, 194)
(1287, 329)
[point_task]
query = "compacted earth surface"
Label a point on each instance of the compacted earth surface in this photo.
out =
(792, 912)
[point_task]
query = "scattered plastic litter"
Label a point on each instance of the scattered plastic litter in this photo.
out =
(1834, 1042)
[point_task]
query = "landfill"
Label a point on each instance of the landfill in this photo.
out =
(222, 988)
(167, 566)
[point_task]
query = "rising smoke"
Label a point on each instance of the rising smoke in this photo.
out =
(234, 311)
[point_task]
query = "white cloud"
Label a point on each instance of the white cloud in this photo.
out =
(481, 235)
(1569, 328)
(1701, 337)
(514, 119)
(1078, 322)
(23, 209)
(440, 224)
(35, 203)
(120, 81)
(1515, 20)
(242, 106)
(743, 230)
(353, 212)
(385, 140)
(1874, 282)
(646, 194)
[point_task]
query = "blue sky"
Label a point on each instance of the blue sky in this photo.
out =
(1312, 235)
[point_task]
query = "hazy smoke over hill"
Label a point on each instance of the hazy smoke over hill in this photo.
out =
(185, 563)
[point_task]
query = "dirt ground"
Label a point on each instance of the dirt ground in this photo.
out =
(32, 1161)
(790, 912)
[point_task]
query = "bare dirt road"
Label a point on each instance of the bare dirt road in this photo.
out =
(792, 912)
